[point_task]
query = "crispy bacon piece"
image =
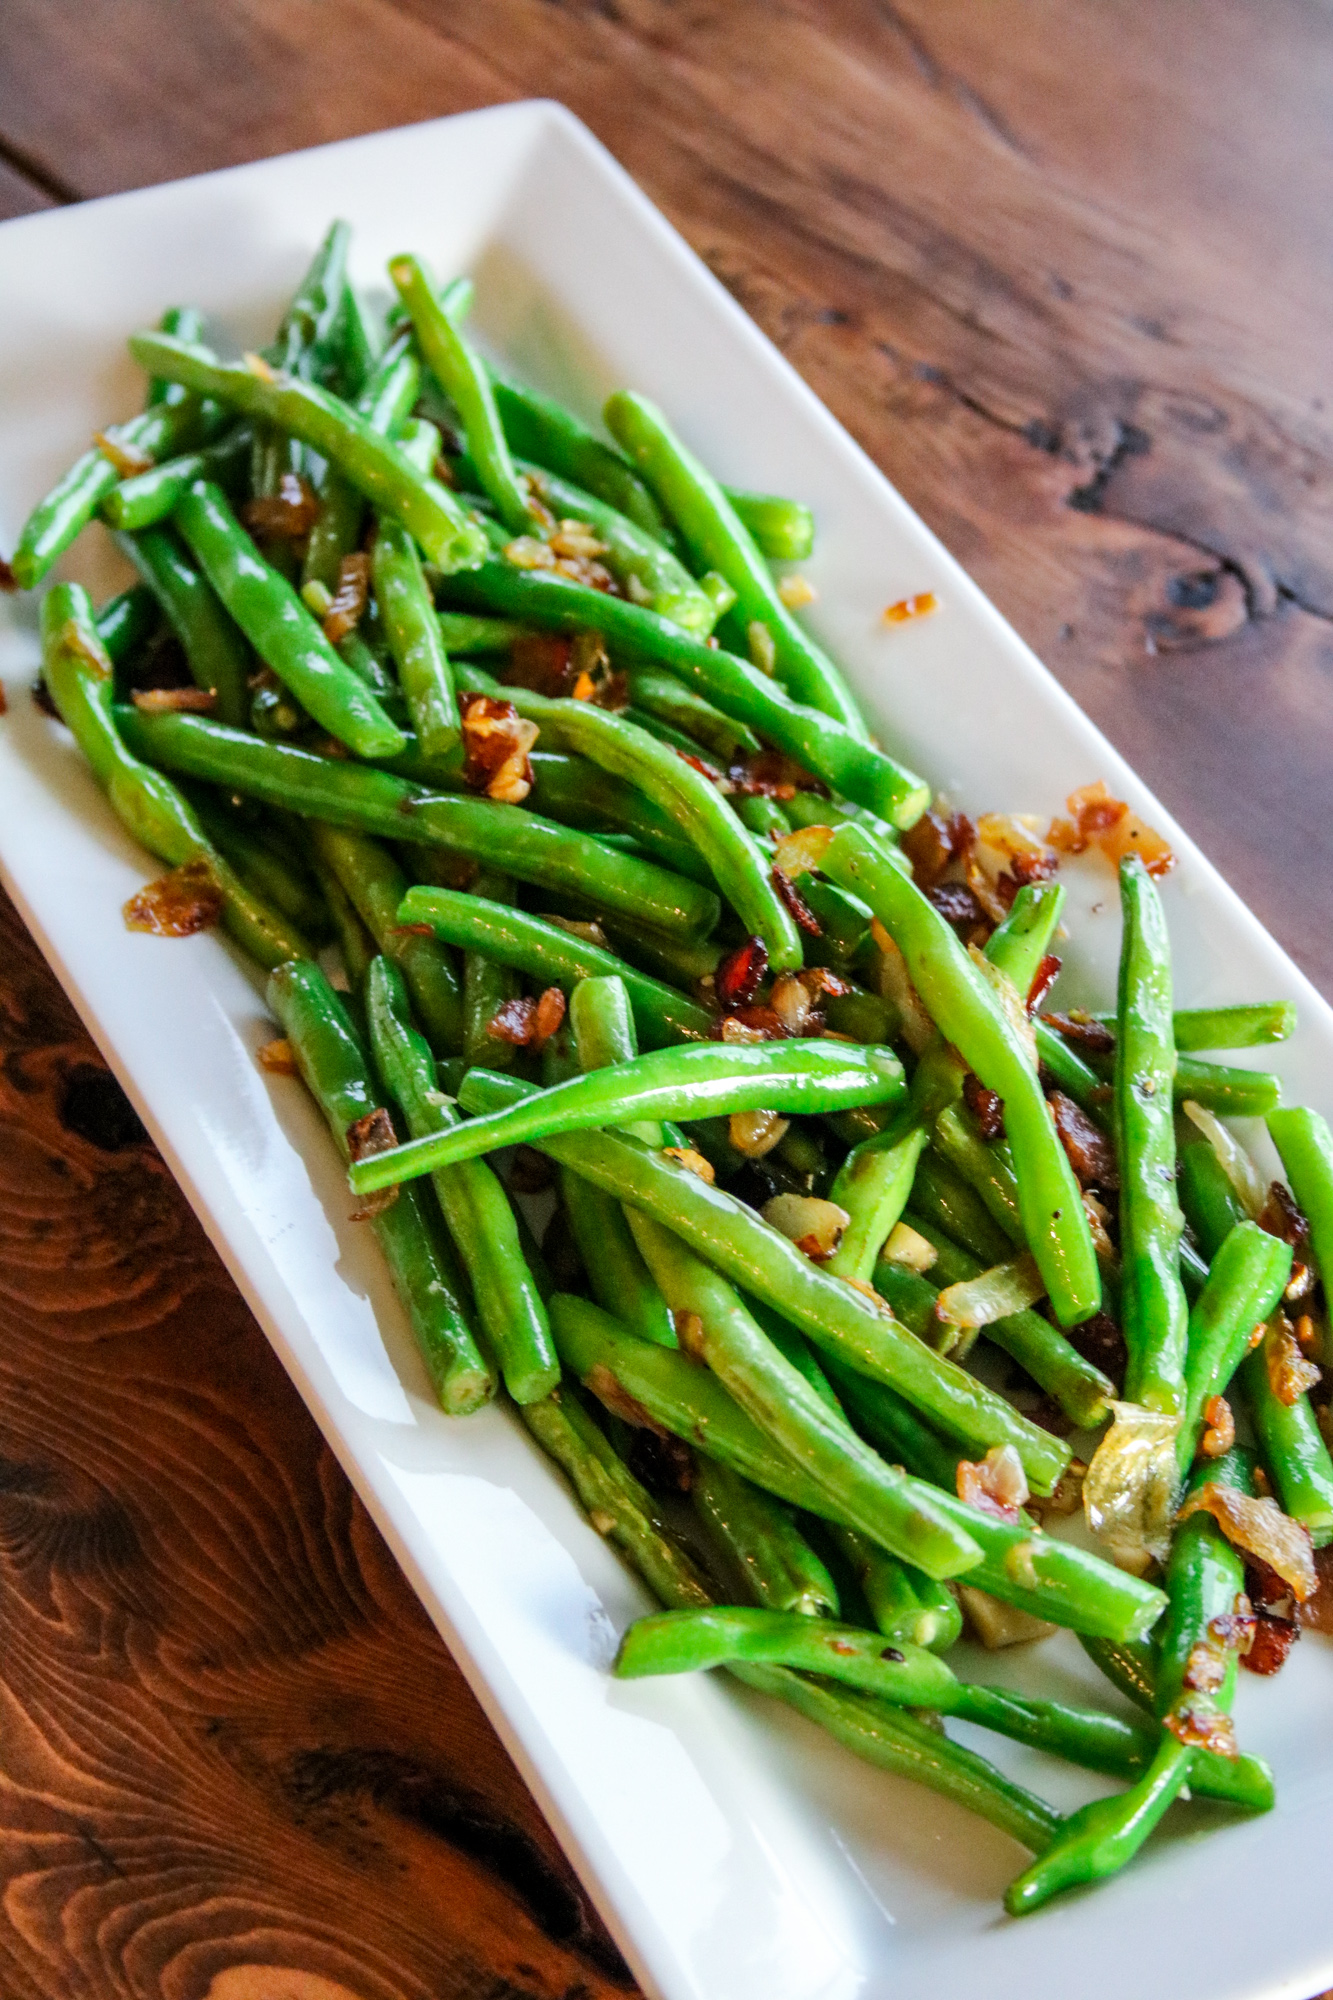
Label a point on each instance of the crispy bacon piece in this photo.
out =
(741, 973)
(1273, 1639)
(550, 1013)
(496, 742)
(1105, 822)
(796, 903)
(176, 905)
(986, 1106)
(8, 580)
(527, 1023)
(929, 846)
(1100, 1341)
(1043, 979)
(751, 1024)
(370, 1134)
(771, 774)
(1318, 1609)
(960, 906)
(542, 661)
(1091, 1154)
(288, 515)
(1085, 1033)
(349, 599)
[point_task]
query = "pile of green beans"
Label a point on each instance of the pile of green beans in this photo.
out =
(622, 914)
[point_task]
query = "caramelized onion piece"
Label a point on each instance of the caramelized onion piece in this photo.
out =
(755, 1133)
(996, 1484)
(1129, 1494)
(693, 1163)
(995, 1294)
(1261, 1529)
(815, 1226)
(178, 904)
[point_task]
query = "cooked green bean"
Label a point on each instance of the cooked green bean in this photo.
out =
(664, 696)
(386, 403)
(1245, 1281)
(761, 1544)
(1205, 1587)
(1289, 1437)
(414, 635)
(335, 1069)
(537, 427)
(1305, 1146)
(904, 1602)
(944, 1199)
(215, 650)
(376, 886)
(1243, 1027)
(782, 530)
(149, 497)
(474, 1203)
(126, 622)
(643, 564)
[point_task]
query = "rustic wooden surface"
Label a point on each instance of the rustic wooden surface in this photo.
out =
(1062, 266)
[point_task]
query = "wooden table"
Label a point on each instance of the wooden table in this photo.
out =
(1062, 266)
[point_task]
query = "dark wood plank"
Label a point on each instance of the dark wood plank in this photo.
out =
(231, 1739)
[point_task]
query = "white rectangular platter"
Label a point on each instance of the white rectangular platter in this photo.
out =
(735, 1853)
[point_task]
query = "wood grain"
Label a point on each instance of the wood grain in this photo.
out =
(1062, 266)
(230, 1742)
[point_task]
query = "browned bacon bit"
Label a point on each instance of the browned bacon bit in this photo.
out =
(541, 661)
(996, 1485)
(1043, 979)
(739, 976)
(616, 1398)
(128, 458)
(1220, 1434)
(1307, 1335)
(705, 770)
(8, 580)
(496, 742)
(1083, 1031)
(278, 1057)
(175, 701)
(176, 905)
(368, 1135)
(1105, 822)
(1318, 1610)
(41, 697)
(773, 775)
(288, 515)
(1100, 1341)
(929, 847)
(1091, 1154)
(513, 1022)
(1281, 1217)
(796, 903)
(1289, 1374)
(1273, 1640)
(349, 599)
(986, 1106)
(550, 1013)
(959, 906)
(751, 1024)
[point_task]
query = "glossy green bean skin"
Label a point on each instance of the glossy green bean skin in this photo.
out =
(904, 1602)
(376, 885)
(884, 1504)
(682, 1642)
(1064, 1584)
(662, 695)
(1246, 1278)
(340, 434)
(1130, 1666)
(762, 1544)
(557, 957)
(1243, 1027)
(967, 1012)
(699, 1078)
(304, 347)
(386, 403)
(839, 756)
(472, 1200)
(629, 552)
(838, 1319)
(279, 627)
(782, 530)
(1305, 1146)
(487, 986)
(337, 1074)
(1021, 942)
(505, 837)
(986, 1166)
(873, 1186)
(215, 650)
(537, 427)
(458, 370)
(415, 639)
(577, 793)
(1205, 1581)
(945, 1200)
(265, 864)
(78, 676)
(1100, 1838)
(1152, 1299)
(1291, 1442)
(470, 632)
(718, 540)
(149, 497)
(689, 800)
(1220, 1088)
(126, 621)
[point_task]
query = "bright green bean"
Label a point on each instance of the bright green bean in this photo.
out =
(539, 428)
(664, 696)
(782, 530)
(1305, 1146)
(1290, 1439)
(1246, 1277)
(215, 651)
(376, 885)
(149, 497)
(904, 1602)
(761, 1544)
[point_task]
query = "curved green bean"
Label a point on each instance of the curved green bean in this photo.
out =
(761, 1544)
(215, 651)
(149, 497)
(782, 530)
(904, 1602)
(638, 560)
(376, 885)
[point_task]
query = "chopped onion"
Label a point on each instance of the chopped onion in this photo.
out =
(1006, 1288)
(800, 853)
(997, 1624)
(1261, 1529)
(1239, 1168)
(693, 1163)
(755, 1133)
(997, 1484)
(814, 1226)
(1129, 1494)
(1012, 1002)
(908, 1247)
(791, 1003)
(895, 985)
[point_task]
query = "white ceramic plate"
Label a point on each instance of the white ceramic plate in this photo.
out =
(734, 1852)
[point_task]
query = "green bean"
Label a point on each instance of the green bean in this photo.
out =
(904, 1602)
(968, 1013)
(215, 651)
(335, 1069)
(1290, 1439)
(415, 639)
(1130, 1666)
(1305, 1146)
(1205, 1587)
(944, 1199)
(618, 1506)
(1068, 1071)
(303, 347)
(1081, 1390)
(782, 530)
(873, 1186)
(577, 793)
(639, 561)
(837, 1318)
(465, 632)
(488, 985)
(460, 373)
(340, 434)
(722, 1077)
(360, 342)
(187, 323)
(602, 1023)
(78, 676)
(685, 963)
(149, 497)
(895, 1512)
(1153, 1309)
(693, 804)
(355, 944)
(557, 957)
(376, 886)
(386, 402)
(1021, 1565)
(126, 622)
(473, 1201)
(664, 696)
(270, 870)
(1243, 1027)
(1101, 1837)
(502, 836)
(539, 428)
(1019, 945)
(764, 817)
(1229, 1092)
(279, 627)
(1211, 1203)
(1246, 1278)
(718, 540)
(761, 1544)
(816, 741)
(986, 1166)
